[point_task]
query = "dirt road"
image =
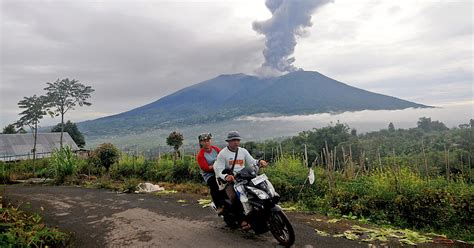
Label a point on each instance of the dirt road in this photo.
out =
(102, 218)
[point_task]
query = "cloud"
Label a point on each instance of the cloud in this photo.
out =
(134, 52)
(405, 48)
(451, 114)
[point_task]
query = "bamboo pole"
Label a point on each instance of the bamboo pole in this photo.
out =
(446, 162)
(281, 151)
(469, 164)
(380, 160)
(305, 155)
(272, 154)
(425, 160)
(264, 150)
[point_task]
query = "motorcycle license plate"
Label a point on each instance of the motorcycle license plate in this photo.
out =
(259, 179)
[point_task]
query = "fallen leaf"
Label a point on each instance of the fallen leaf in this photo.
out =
(321, 233)
(333, 220)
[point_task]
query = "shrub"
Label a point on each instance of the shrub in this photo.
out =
(130, 185)
(128, 166)
(107, 154)
(287, 175)
(20, 229)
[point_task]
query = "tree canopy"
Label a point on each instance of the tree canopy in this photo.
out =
(175, 140)
(73, 131)
(34, 110)
(9, 129)
(64, 95)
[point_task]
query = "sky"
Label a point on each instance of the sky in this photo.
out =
(135, 52)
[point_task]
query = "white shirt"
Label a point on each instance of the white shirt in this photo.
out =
(226, 158)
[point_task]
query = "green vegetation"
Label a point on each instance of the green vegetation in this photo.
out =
(11, 129)
(106, 155)
(34, 110)
(419, 178)
(73, 131)
(63, 95)
(22, 229)
(175, 140)
(63, 164)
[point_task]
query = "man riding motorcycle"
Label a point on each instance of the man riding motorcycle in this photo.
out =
(231, 160)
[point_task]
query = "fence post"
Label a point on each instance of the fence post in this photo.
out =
(425, 160)
(446, 162)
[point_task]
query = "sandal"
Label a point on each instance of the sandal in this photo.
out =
(245, 226)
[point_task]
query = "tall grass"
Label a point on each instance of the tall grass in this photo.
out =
(395, 195)
(63, 163)
(394, 191)
(160, 169)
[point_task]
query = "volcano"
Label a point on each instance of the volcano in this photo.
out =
(227, 97)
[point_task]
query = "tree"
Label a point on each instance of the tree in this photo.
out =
(64, 95)
(427, 125)
(175, 140)
(391, 127)
(107, 154)
(72, 130)
(10, 129)
(34, 111)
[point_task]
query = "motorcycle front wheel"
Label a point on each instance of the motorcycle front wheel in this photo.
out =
(282, 229)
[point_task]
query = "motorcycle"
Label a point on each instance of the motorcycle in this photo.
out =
(260, 204)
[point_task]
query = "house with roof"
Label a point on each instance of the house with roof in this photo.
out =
(15, 147)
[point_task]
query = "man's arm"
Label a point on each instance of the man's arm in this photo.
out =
(249, 160)
(252, 161)
(219, 166)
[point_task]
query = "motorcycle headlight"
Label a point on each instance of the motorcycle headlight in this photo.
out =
(260, 193)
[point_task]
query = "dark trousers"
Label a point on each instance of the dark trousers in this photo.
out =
(217, 196)
(236, 204)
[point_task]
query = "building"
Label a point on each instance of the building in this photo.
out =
(15, 147)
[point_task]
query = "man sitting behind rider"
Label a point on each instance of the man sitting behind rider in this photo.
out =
(206, 157)
(225, 159)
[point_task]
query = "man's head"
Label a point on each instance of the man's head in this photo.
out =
(233, 139)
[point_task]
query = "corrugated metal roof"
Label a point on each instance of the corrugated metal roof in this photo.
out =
(22, 144)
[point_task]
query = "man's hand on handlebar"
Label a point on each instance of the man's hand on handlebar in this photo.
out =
(229, 178)
(262, 163)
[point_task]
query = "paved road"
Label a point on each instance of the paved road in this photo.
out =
(101, 218)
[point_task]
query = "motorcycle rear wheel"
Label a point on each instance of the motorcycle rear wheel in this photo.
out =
(281, 229)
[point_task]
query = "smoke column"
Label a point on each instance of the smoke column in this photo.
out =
(289, 18)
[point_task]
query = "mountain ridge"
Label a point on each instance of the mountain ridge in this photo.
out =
(232, 95)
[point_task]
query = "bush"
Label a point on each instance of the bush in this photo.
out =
(130, 185)
(90, 166)
(287, 176)
(129, 166)
(20, 229)
(107, 154)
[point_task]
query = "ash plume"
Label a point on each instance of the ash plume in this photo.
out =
(289, 18)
